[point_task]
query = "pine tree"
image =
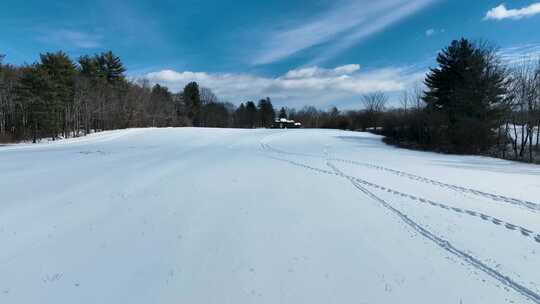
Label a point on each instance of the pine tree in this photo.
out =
(89, 67)
(467, 90)
(192, 99)
(282, 113)
(112, 67)
(106, 66)
(240, 116)
(161, 105)
(60, 71)
(34, 92)
(251, 114)
(266, 112)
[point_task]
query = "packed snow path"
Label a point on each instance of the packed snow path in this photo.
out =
(263, 216)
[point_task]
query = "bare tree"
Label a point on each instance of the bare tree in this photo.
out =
(374, 106)
(536, 116)
(405, 100)
(207, 96)
(416, 96)
(524, 104)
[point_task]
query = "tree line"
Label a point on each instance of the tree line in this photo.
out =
(61, 97)
(470, 103)
(58, 97)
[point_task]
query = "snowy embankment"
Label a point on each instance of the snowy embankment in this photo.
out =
(263, 216)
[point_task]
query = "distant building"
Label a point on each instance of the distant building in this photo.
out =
(284, 123)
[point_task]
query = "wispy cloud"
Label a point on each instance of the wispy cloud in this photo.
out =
(374, 24)
(71, 38)
(312, 85)
(520, 53)
(345, 25)
(501, 12)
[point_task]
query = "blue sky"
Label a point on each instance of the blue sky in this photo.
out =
(297, 52)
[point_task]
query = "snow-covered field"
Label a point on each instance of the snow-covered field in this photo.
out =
(263, 216)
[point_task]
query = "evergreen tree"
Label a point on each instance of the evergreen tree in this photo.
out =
(34, 92)
(160, 107)
(112, 67)
(251, 114)
(266, 113)
(192, 99)
(60, 71)
(89, 67)
(106, 66)
(282, 113)
(240, 120)
(467, 90)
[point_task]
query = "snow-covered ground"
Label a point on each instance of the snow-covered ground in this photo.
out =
(263, 216)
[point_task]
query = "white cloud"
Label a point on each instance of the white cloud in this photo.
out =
(347, 69)
(501, 12)
(520, 54)
(71, 38)
(430, 32)
(346, 24)
(320, 72)
(314, 85)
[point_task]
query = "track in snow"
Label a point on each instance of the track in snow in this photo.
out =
(439, 241)
(484, 217)
(499, 198)
(154, 212)
(444, 244)
(525, 232)
(535, 207)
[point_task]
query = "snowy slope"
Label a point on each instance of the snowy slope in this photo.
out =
(263, 216)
